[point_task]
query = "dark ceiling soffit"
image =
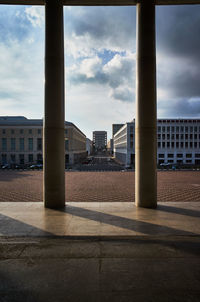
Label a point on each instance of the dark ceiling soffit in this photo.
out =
(99, 2)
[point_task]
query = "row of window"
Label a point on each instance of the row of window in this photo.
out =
(13, 158)
(179, 136)
(179, 145)
(178, 155)
(21, 144)
(178, 129)
(21, 131)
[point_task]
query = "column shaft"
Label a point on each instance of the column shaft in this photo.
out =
(53, 131)
(146, 120)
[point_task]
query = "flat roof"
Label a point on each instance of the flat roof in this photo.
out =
(99, 2)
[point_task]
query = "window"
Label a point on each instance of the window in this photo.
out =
(39, 158)
(197, 155)
(182, 136)
(21, 144)
(159, 128)
(13, 158)
(163, 144)
(191, 129)
(186, 144)
(163, 136)
(158, 136)
(21, 159)
(21, 131)
(4, 144)
(186, 136)
(168, 129)
(30, 144)
(179, 155)
(195, 129)
(30, 131)
(12, 131)
(39, 131)
(177, 129)
(191, 136)
(188, 161)
(66, 145)
(177, 136)
(191, 144)
(182, 128)
(4, 158)
(173, 129)
(186, 129)
(170, 155)
(195, 136)
(179, 161)
(13, 144)
(4, 131)
(188, 155)
(195, 144)
(30, 158)
(172, 144)
(170, 161)
(158, 144)
(39, 144)
(177, 144)
(161, 155)
(172, 136)
(182, 145)
(163, 129)
(168, 144)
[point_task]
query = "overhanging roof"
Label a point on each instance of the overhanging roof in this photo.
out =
(99, 2)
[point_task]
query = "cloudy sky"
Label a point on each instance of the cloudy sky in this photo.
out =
(100, 63)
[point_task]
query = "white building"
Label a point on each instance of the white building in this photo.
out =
(178, 142)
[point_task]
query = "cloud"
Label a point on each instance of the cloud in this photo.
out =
(180, 108)
(94, 29)
(178, 56)
(117, 74)
(35, 15)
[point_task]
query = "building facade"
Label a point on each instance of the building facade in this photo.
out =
(178, 142)
(21, 141)
(99, 139)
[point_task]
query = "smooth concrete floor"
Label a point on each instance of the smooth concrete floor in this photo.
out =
(100, 252)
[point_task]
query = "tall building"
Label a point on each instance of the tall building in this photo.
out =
(115, 128)
(100, 139)
(178, 142)
(21, 141)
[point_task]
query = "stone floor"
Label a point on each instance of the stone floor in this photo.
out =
(100, 252)
(99, 186)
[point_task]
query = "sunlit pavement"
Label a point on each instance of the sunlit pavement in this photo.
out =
(100, 252)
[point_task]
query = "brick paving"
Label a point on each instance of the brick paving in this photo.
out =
(99, 186)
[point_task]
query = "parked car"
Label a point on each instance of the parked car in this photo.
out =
(36, 166)
(5, 166)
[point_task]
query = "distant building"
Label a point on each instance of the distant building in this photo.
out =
(115, 128)
(178, 142)
(110, 146)
(99, 139)
(21, 141)
(89, 146)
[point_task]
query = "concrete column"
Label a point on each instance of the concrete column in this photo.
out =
(146, 120)
(53, 135)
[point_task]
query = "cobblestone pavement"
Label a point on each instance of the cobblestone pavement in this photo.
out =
(100, 186)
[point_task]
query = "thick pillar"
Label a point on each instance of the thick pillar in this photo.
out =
(146, 120)
(53, 133)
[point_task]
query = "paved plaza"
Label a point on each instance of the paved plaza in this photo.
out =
(100, 186)
(99, 251)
